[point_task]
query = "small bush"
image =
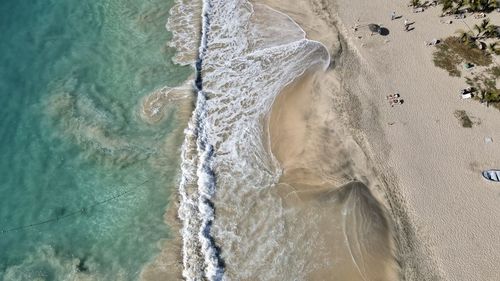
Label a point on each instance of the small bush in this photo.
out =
(468, 52)
(446, 59)
(495, 71)
(492, 96)
(453, 51)
(486, 86)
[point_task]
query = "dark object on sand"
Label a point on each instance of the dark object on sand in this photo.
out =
(468, 65)
(383, 31)
(433, 42)
(492, 175)
(467, 90)
(375, 28)
(481, 45)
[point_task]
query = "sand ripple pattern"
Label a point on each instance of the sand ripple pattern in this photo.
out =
(247, 54)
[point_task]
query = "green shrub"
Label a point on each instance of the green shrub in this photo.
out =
(453, 51)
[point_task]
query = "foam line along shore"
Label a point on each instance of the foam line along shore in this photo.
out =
(242, 66)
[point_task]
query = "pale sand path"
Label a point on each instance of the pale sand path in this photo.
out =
(426, 155)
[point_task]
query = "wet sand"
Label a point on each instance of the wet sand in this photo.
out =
(167, 265)
(325, 182)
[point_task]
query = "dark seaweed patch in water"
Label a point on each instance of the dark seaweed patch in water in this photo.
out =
(81, 267)
(60, 211)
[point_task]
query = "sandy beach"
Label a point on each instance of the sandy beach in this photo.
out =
(296, 169)
(415, 157)
(325, 176)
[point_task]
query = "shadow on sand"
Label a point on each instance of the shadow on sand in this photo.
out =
(384, 31)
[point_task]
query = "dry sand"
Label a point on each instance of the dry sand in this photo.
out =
(427, 167)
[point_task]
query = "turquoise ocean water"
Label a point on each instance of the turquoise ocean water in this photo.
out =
(72, 75)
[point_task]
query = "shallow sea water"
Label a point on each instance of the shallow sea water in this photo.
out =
(72, 77)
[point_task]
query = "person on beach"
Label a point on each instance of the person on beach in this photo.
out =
(394, 99)
(406, 24)
(393, 15)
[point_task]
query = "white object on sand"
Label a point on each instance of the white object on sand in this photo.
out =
(492, 175)
(433, 42)
(466, 95)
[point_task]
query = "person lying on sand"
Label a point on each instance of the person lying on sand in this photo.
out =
(407, 24)
(395, 96)
(394, 99)
(446, 21)
(479, 16)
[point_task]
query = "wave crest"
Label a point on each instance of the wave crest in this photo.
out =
(242, 66)
(185, 23)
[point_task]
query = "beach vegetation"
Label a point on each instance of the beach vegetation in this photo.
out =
(495, 71)
(458, 5)
(415, 3)
(446, 59)
(485, 86)
(482, 5)
(473, 47)
(452, 6)
(466, 37)
(447, 5)
(456, 50)
(464, 118)
(469, 53)
(455, 6)
(494, 48)
(485, 30)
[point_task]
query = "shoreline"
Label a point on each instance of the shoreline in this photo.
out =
(351, 112)
(322, 165)
(414, 162)
(320, 153)
(167, 264)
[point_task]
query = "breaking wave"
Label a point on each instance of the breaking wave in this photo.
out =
(247, 55)
(185, 23)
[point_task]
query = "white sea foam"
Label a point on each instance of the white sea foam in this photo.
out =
(185, 23)
(153, 106)
(247, 54)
